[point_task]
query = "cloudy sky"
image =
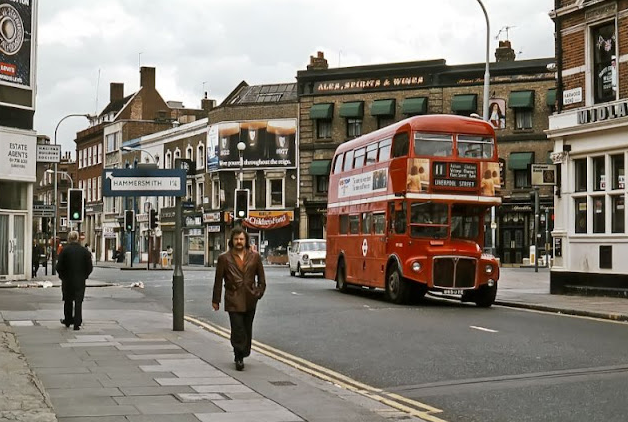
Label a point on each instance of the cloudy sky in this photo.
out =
(212, 45)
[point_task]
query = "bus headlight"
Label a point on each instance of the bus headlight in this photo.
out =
(488, 268)
(416, 266)
(306, 258)
(490, 282)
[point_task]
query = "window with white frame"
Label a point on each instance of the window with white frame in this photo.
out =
(85, 157)
(99, 153)
(188, 152)
(89, 190)
(200, 157)
(177, 153)
(188, 190)
(603, 42)
(354, 127)
(275, 193)
(95, 154)
(80, 159)
(216, 194)
(95, 189)
(523, 118)
(111, 142)
(200, 191)
(168, 162)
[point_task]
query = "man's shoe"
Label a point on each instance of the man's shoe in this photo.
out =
(67, 324)
(77, 327)
(239, 364)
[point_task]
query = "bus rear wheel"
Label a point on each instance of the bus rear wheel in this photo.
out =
(341, 278)
(396, 287)
(485, 296)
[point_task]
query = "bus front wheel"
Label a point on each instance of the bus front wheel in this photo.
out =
(396, 286)
(485, 296)
(341, 278)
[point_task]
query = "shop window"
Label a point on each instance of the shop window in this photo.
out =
(599, 173)
(354, 224)
(354, 127)
(604, 62)
(580, 170)
(617, 164)
(322, 184)
(599, 215)
(522, 179)
(580, 211)
(523, 118)
(617, 214)
(323, 129)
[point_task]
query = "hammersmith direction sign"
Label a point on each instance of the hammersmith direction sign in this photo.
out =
(143, 182)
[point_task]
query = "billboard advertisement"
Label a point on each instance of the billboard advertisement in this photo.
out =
(267, 144)
(17, 49)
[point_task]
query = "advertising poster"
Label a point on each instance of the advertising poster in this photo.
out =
(418, 175)
(16, 17)
(267, 144)
(365, 183)
(490, 179)
(497, 112)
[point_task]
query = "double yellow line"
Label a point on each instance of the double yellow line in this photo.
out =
(403, 404)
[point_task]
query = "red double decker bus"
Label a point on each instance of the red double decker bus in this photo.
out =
(406, 209)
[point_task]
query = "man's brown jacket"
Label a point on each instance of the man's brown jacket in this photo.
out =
(242, 290)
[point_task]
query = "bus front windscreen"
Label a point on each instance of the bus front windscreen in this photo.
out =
(429, 219)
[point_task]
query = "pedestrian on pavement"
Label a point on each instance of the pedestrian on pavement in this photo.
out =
(169, 253)
(74, 267)
(38, 251)
(242, 271)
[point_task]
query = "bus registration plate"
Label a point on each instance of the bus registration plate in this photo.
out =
(452, 292)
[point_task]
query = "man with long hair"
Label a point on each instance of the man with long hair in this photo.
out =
(242, 271)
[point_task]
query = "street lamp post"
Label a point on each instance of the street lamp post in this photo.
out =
(241, 147)
(54, 232)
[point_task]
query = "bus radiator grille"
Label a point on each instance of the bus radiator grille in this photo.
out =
(454, 272)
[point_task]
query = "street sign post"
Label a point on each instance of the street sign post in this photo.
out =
(144, 182)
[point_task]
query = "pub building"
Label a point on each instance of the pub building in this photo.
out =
(589, 130)
(339, 104)
(264, 119)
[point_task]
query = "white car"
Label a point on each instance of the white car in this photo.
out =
(307, 256)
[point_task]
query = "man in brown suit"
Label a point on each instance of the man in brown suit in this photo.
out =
(239, 267)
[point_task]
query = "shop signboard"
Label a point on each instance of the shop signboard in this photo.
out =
(17, 53)
(267, 144)
(266, 220)
(18, 155)
(543, 174)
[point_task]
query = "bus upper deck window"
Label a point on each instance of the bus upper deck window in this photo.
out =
(475, 146)
(400, 145)
(358, 158)
(371, 154)
(434, 145)
(338, 164)
(348, 160)
(384, 150)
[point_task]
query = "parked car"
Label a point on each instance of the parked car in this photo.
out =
(307, 256)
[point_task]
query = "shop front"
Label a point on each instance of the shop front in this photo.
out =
(193, 239)
(271, 232)
(316, 215)
(516, 232)
(216, 244)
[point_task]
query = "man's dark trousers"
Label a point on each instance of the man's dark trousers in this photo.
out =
(77, 319)
(241, 332)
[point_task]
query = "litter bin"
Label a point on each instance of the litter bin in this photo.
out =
(163, 259)
(127, 259)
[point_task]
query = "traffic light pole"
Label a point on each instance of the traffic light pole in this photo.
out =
(177, 275)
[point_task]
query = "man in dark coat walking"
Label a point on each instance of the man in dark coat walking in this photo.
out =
(242, 271)
(74, 267)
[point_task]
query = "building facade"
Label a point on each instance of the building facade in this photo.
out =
(590, 147)
(336, 105)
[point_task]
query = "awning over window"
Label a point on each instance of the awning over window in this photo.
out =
(352, 109)
(414, 106)
(320, 167)
(383, 108)
(521, 99)
(520, 160)
(464, 102)
(322, 111)
(551, 97)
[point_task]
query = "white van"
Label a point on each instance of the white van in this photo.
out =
(307, 256)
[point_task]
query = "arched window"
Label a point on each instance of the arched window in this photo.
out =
(188, 152)
(168, 162)
(200, 156)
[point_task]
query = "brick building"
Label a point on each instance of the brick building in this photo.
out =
(339, 104)
(590, 147)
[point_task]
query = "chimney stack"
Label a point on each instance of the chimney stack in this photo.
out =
(147, 77)
(318, 63)
(504, 52)
(116, 91)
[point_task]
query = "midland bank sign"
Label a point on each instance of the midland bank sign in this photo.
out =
(603, 113)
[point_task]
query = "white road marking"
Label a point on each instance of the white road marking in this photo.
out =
(488, 330)
(297, 294)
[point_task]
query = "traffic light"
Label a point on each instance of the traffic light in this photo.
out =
(129, 220)
(154, 219)
(75, 205)
(241, 205)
